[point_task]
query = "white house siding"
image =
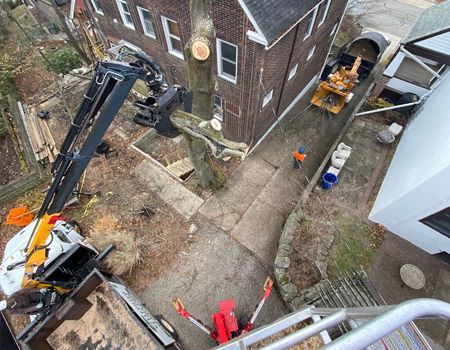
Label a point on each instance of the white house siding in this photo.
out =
(417, 183)
(403, 86)
(439, 43)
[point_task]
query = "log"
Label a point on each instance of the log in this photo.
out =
(197, 128)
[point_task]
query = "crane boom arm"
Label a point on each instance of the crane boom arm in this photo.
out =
(105, 95)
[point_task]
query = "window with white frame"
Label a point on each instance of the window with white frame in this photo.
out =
(292, 72)
(97, 7)
(334, 29)
(267, 98)
(172, 34)
(310, 23)
(227, 56)
(311, 53)
(125, 14)
(146, 21)
(323, 15)
(218, 108)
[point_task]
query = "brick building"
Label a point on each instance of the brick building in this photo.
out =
(266, 52)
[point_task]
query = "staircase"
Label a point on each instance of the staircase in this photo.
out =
(350, 290)
(347, 316)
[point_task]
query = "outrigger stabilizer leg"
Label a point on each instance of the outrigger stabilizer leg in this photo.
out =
(178, 305)
(225, 322)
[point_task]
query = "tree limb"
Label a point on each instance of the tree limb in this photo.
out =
(219, 146)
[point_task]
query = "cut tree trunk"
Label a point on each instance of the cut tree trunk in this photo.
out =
(201, 83)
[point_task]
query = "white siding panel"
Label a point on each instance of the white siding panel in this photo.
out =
(403, 86)
(395, 63)
(416, 184)
(439, 43)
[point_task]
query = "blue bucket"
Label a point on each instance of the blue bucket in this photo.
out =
(328, 180)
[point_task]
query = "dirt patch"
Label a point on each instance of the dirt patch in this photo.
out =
(331, 229)
(10, 166)
(107, 325)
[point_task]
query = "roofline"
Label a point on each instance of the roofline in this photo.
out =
(428, 36)
(260, 37)
(293, 26)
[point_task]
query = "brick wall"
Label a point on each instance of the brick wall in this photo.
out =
(244, 119)
(293, 49)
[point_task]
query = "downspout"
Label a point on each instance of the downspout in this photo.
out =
(419, 62)
(424, 66)
(287, 71)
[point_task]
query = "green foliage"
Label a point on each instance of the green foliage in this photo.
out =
(379, 102)
(356, 245)
(63, 61)
(12, 62)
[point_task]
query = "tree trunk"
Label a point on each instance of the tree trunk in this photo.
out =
(71, 38)
(201, 83)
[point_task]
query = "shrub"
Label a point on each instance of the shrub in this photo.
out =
(63, 61)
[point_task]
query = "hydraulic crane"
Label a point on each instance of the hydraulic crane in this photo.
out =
(48, 258)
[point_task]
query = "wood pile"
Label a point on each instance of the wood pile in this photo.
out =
(44, 146)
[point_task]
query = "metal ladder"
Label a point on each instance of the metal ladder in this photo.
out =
(371, 323)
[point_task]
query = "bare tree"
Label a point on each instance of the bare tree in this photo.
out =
(73, 41)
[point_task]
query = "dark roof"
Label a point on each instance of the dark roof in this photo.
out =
(433, 20)
(276, 17)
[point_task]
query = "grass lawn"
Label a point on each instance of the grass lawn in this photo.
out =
(355, 245)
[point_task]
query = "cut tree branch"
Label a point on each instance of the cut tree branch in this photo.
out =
(200, 129)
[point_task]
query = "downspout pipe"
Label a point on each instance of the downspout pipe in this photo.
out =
(424, 66)
(419, 62)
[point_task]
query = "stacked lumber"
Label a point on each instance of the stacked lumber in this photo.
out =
(44, 146)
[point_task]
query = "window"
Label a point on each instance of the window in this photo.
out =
(146, 21)
(172, 33)
(227, 60)
(439, 221)
(125, 14)
(334, 29)
(218, 109)
(311, 53)
(310, 23)
(267, 98)
(323, 15)
(97, 7)
(292, 72)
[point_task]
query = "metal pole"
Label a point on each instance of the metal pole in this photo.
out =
(389, 108)
(388, 322)
(419, 62)
(308, 331)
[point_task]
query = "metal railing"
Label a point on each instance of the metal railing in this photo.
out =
(383, 320)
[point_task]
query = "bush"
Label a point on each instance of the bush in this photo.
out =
(63, 61)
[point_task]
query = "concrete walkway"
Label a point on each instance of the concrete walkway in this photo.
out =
(240, 225)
